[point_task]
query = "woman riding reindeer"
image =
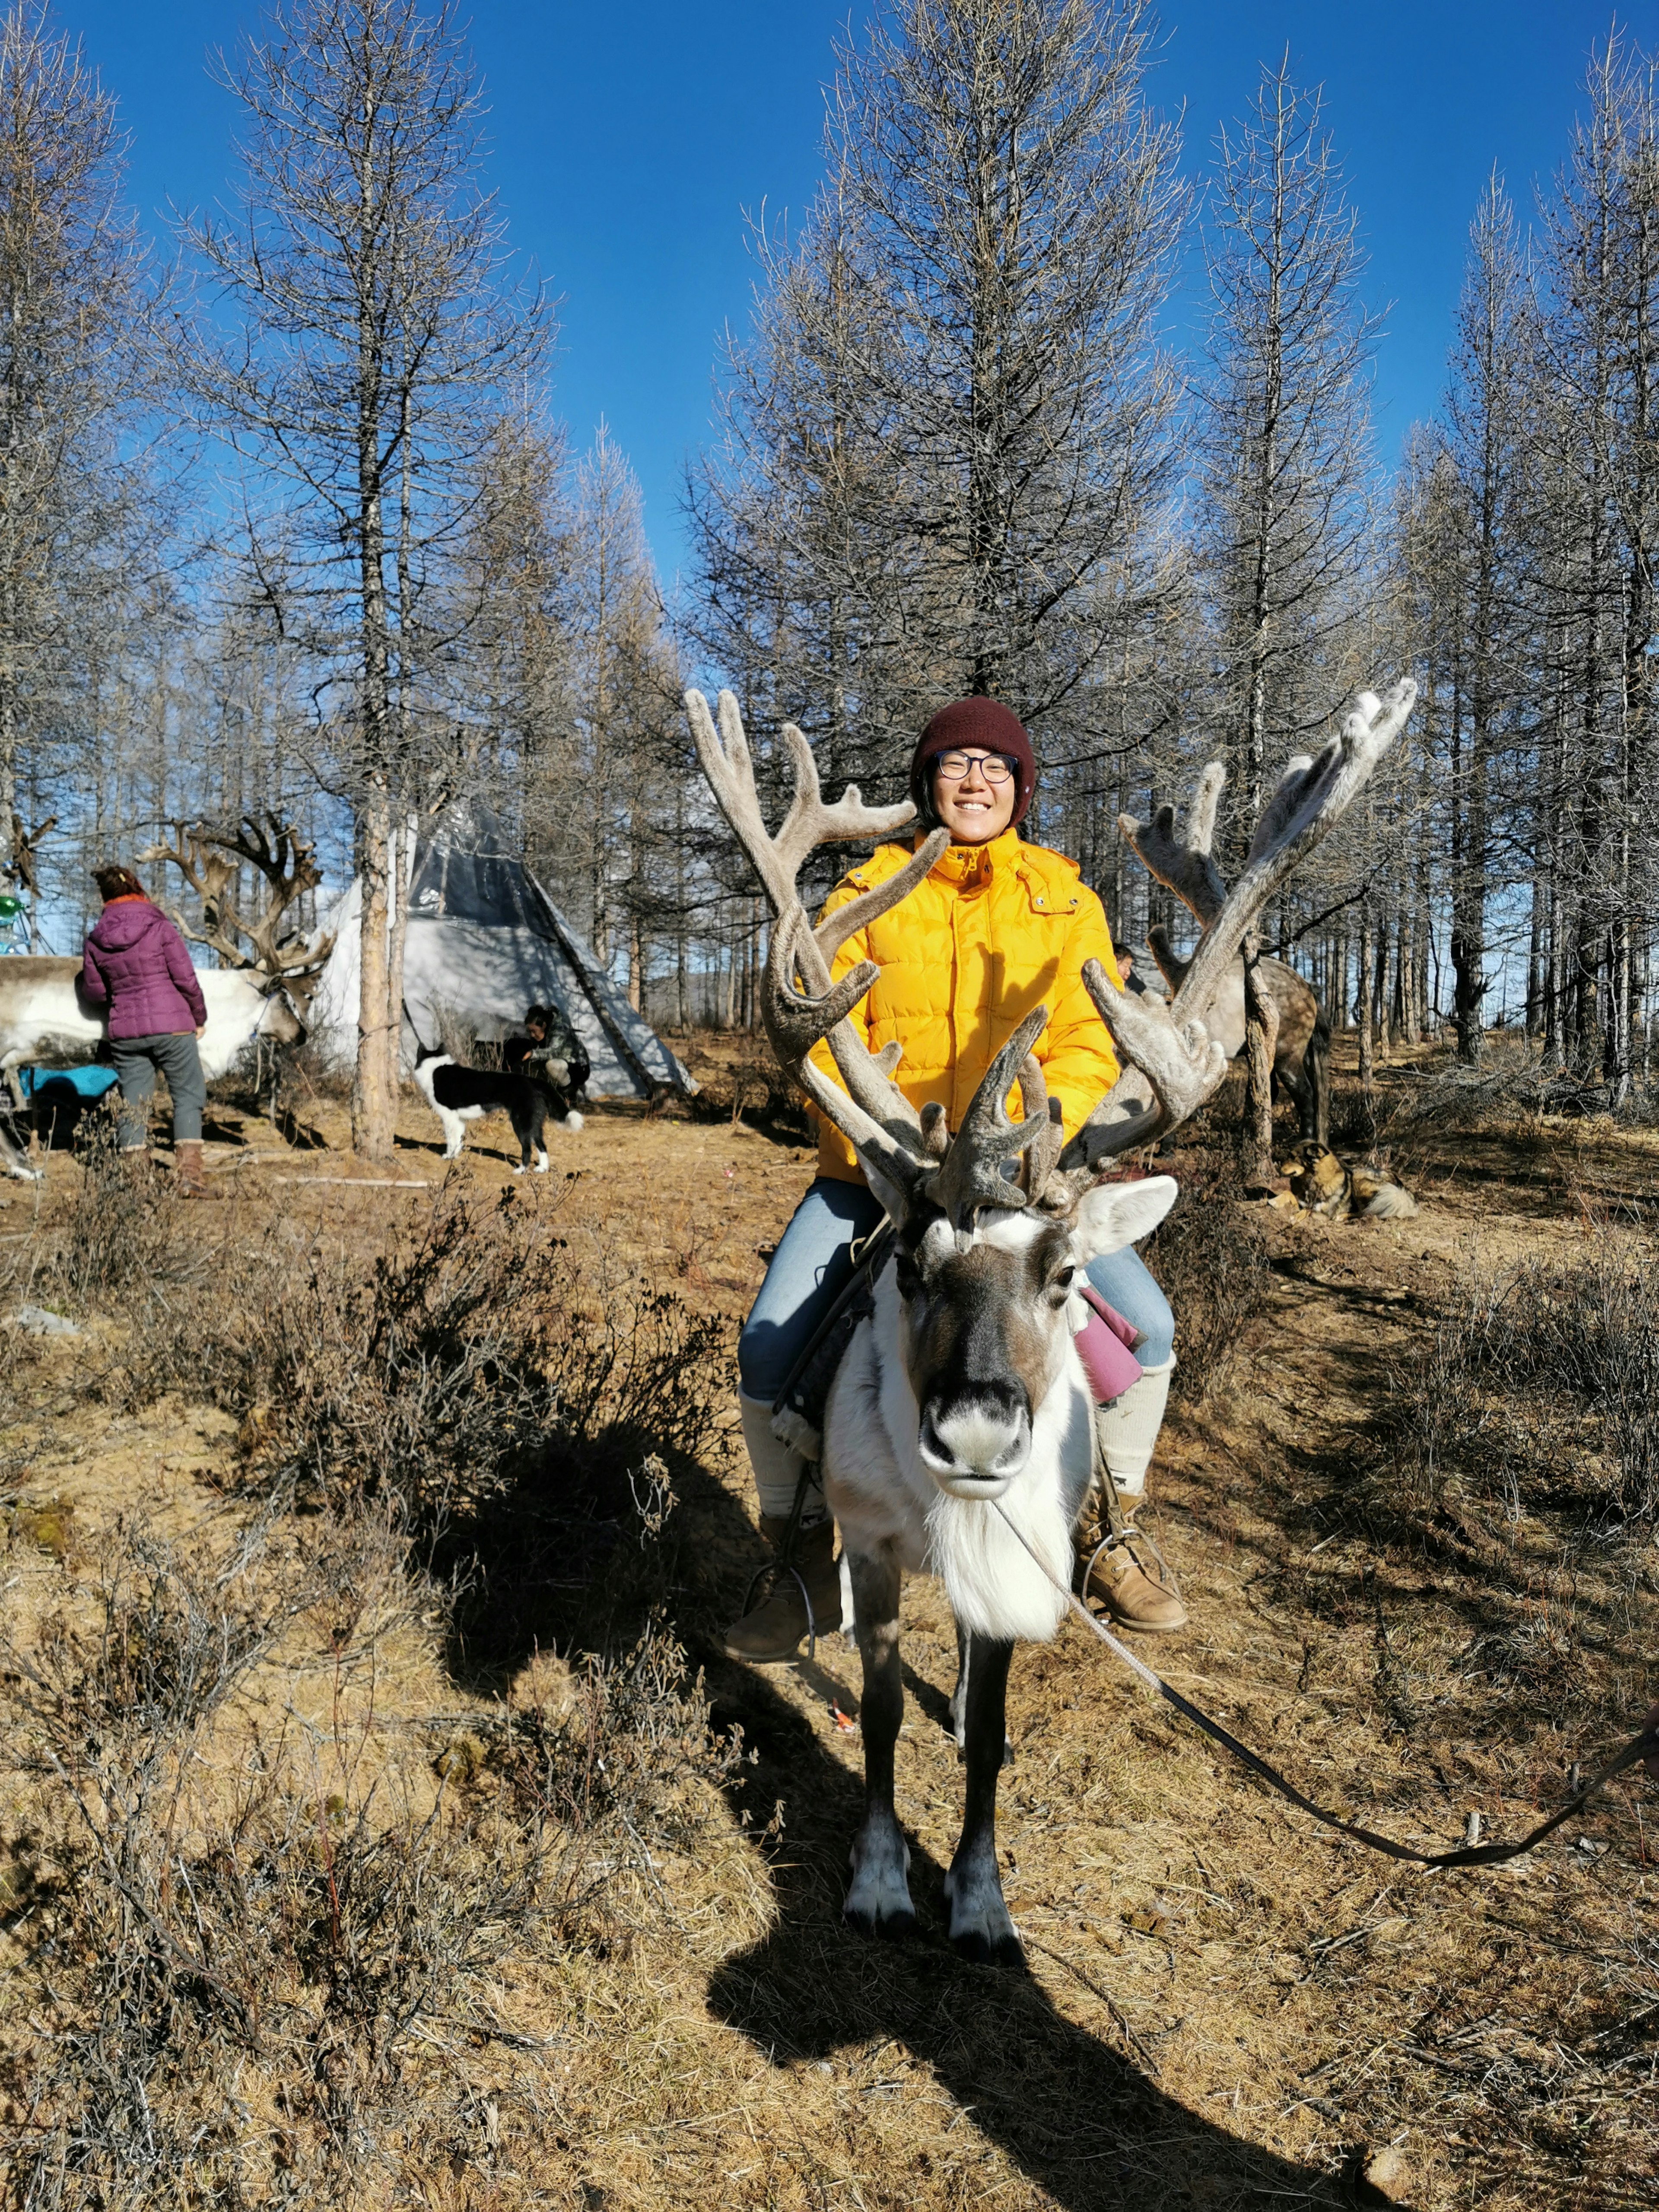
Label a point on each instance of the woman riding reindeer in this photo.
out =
(998, 927)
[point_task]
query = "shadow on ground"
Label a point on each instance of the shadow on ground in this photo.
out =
(559, 1564)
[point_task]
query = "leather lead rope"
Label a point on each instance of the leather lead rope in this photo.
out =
(1646, 1745)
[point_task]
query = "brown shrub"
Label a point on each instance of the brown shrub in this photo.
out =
(1211, 1262)
(240, 1974)
(1542, 1386)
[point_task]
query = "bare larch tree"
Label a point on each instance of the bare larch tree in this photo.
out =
(373, 337)
(1285, 448)
(73, 305)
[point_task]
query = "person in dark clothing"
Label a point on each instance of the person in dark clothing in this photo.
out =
(547, 1046)
(137, 965)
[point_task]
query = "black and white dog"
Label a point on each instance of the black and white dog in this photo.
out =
(459, 1095)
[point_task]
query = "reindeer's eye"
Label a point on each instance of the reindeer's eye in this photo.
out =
(1061, 1285)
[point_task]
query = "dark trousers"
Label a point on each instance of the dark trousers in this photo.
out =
(138, 1063)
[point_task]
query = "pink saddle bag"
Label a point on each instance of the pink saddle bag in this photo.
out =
(1106, 1346)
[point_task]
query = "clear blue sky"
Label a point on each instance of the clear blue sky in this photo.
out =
(629, 139)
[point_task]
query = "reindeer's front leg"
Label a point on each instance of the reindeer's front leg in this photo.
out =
(879, 1900)
(979, 1926)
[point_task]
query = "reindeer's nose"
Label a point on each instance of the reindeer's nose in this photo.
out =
(975, 1440)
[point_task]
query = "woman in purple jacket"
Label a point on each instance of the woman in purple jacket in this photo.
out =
(137, 965)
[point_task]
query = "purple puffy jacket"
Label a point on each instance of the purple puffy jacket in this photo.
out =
(136, 963)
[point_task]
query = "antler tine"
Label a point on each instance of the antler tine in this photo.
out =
(1170, 965)
(1183, 861)
(833, 931)
(971, 1175)
(1043, 1157)
(796, 1020)
(725, 758)
(810, 822)
(1310, 799)
(1173, 1068)
(884, 1160)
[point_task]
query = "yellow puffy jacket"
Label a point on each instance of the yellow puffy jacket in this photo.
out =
(991, 932)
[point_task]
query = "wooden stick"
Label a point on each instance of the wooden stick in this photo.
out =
(357, 1182)
(247, 1160)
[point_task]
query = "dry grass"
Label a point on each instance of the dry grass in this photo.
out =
(1541, 1395)
(511, 1906)
(248, 1929)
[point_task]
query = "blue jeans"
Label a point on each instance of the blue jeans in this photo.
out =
(813, 1261)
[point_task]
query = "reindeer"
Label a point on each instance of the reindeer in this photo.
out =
(958, 1434)
(252, 998)
(1185, 864)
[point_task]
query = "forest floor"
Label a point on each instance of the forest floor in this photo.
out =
(433, 1856)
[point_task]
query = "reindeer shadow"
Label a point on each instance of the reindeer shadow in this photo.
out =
(1083, 2119)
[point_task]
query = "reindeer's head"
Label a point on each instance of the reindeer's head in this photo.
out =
(211, 860)
(989, 1318)
(280, 1020)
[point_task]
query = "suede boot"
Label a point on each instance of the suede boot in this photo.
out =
(775, 1625)
(135, 1164)
(1133, 1598)
(1113, 1558)
(193, 1182)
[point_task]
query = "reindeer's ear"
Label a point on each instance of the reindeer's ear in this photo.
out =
(1110, 1215)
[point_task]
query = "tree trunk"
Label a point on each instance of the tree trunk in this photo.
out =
(373, 1097)
(1260, 1044)
(1363, 997)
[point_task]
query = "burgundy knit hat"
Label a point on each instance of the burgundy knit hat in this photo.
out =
(980, 723)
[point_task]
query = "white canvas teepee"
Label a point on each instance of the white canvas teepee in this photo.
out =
(484, 941)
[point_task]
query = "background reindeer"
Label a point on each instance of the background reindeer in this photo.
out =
(1184, 862)
(264, 940)
(958, 1436)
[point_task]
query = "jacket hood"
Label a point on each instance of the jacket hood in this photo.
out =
(124, 921)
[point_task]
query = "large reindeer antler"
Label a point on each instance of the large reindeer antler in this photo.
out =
(1174, 1067)
(873, 1113)
(269, 844)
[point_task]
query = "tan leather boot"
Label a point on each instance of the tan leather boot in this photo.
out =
(773, 1625)
(135, 1164)
(1116, 1579)
(1131, 1596)
(193, 1182)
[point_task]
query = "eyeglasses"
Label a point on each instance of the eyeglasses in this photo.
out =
(992, 766)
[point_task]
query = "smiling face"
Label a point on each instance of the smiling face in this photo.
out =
(972, 807)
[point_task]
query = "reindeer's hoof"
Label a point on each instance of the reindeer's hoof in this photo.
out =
(981, 1929)
(879, 1900)
(981, 1950)
(880, 1928)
